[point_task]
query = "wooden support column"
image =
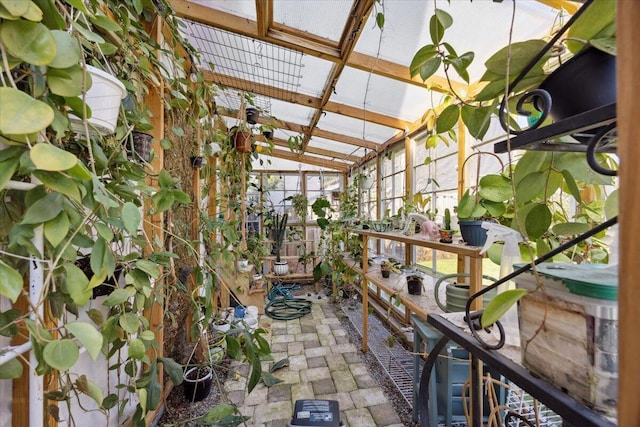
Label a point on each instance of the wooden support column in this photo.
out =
(20, 386)
(462, 155)
(408, 189)
(628, 63)
(154, 224)
(365, 293)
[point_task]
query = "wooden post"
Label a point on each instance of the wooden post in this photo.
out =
(365, 293)
(628, 63)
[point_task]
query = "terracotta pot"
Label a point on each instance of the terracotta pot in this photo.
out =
(241, 140)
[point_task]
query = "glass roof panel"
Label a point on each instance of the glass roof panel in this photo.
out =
(314, 75)
(356, 128)
(480, 26)
(383, 95)
(246, 9)
(328, 144)
(293, 113)
(324, 18)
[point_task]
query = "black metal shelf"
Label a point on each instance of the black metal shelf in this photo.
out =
(581, 126)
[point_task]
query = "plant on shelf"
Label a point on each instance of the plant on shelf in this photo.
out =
(296, 144)
(388, 266)
(278, 230)
(446, 233)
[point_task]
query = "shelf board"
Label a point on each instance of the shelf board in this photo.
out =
(541, 138)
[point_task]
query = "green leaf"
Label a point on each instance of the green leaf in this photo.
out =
(136, 349)
(68, 50)
(102, 260)
(129, 322)
(7, 169)
(30, 41)
(96, 316)
(500, 304)
(105, 23)
(537, 221)
(149, 267)
(380, 20)
(88, 335)
(21, 114)
(61, 354)
(593, 21)
(461, 63)
(466, 205)
(256, 374)
(269, 380)
(495, 188)
(44, 210)
(430, 67)
(101, 195)
(611, 204)
(51, 158)
(173, 369)
(11, 370)
(16, 8)
(279, 365)
(77, 284)
(104, 231)
(57, 229)
(90, 388)
(424, 54)
(571, 185)
(67, 82)
(447, 119)
(570, 228)
(131, 217)
(521, 54)
(10, 282)
(217, 413)
(436, 29)
(60, 183)
(476, 119)
(531, 186)
(119, 296)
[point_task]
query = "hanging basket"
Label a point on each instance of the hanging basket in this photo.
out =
(241, 140)
(103, 98)
(139, 146)
(252, 115)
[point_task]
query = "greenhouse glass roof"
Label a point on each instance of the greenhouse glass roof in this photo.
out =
(324, 70)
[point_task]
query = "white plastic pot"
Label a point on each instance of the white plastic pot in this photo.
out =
(281, 268)
(103, 98)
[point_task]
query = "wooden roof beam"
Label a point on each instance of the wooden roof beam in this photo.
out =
(329, 164)
(264, 16)
(279, 142)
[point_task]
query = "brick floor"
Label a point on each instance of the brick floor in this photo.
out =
(323, 364)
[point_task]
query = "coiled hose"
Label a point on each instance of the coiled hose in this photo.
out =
(287, 308)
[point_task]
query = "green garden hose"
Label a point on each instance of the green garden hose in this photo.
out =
(287, 308)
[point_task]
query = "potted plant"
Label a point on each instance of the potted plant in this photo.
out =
(252, 114)
(446, 233)
(387, 266)
(299, 202)
(242, 138)
(278, 229)
(197, 382)
(414, 282)
(296, 144)
(592, 30)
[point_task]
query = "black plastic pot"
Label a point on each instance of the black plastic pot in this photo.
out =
(585, 82)
(414, 285)
(196, 162)
(252, 115)
(141, 146)
(385, 273)
(268, 134)
(197, 382)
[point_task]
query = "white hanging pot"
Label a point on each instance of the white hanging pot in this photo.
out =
(103, 98)
(281, 268)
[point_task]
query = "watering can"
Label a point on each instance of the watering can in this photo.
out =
(457, 294)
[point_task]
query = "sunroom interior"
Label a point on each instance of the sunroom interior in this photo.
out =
(356, 154)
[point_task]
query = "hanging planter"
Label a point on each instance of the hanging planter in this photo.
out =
(103, 98)
(241, 140)
(197, 382)
(252, 115)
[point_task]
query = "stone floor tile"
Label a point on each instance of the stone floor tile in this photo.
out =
(308, 329)
(317, 351)
(309, 336)
(297, 362)
(316, 362)
(272, 411)
(365, 381)
(279, 346)
(353, 357)
(334, 321)
(323, 329)
(342, 340)
(283, 338)
(343, 348)
(294, 329)
(295, 348)
(384, 414)
(235, 385)
(344, 380)
(313, 374)
(368, 397)
(287, 376)
(279, 393)
(302, 391)
(257, 396)
(344, 400)
(236, 397)
(311, 344)
(359, 417)
(336, 362)
(278, 423)
(323, 386)
(358, 369)
(327, 340)
(339, 332)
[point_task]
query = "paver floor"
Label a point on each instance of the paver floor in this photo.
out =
(323, 364)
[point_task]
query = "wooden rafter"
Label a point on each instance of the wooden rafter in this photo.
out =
(311, 160)
(315, 150)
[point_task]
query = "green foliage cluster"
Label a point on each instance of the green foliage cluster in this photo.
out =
(82, 197)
